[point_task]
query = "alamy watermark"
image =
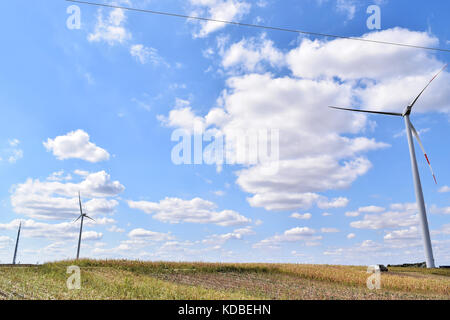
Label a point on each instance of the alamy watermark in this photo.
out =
(74, 20)
(74, 281)
(374, 280)
(212, 147)
(374, 21)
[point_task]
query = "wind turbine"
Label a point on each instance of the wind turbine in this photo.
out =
(82, 216)
(410, 131)
(17, 243)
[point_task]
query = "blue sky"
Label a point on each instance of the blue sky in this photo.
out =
(93, 109)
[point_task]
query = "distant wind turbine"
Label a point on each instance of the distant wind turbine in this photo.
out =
(410, 131)
(82, 216)
(17, 243)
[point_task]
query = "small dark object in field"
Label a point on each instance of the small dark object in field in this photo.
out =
(444, 267)
(383, 268)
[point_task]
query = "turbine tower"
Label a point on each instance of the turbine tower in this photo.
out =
(17, 243)
(82, 216)
(410, 132)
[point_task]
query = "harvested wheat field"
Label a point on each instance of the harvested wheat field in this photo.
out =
(196, 281)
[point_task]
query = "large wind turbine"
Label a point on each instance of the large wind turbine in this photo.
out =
(17, 243)
(410, 131)
(82, 216)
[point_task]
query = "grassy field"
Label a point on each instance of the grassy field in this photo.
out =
(160, 280)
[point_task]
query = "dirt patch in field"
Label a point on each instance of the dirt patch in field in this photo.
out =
(283, 286)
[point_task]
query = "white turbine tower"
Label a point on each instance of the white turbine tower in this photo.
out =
(410, 131)
(82, 216)
(17, 243)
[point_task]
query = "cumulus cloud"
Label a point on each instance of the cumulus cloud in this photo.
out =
(147, 235)
(371, 209)
(412, 233)
(237, 234)
(227, 10)
(329, 230)
(400, 215)
(305, 216)
(367, 209)
(174, 210)
(184, 118)
(57, 232)
(297, 234)
(444, 189)
(249, 55)
(319, 149)
(76, 145)
(58, 200)
(110, 29)
(409, 70)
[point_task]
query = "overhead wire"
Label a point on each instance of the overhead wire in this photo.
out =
(241, 24)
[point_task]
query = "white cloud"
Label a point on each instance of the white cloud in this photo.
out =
(351, 236)
(326, 150)
(227, 10)
(61, 231)
(146, 55)
(371, 209)
(292, 235)
(219, 193)
(146, 235)
(329, 230)
(367, 209)
(57, 200)
(340, 202)
(437, 210)
(445, 229)
(76, 145)
(116, 229)
(304, 168)
(305, 216)
(16, 154)
(412, 233)
(59, 176)
(401, 215)
(408, 73)
(111, 29)
(444, 189)
(5, 241)
(219, 239)
(12, 153)
(174, 210)
(348, 7)
(250, 54)
(183, 117)
(14, 142)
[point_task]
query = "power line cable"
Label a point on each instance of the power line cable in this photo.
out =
(258, 26)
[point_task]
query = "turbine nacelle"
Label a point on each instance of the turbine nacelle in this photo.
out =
(407, 111)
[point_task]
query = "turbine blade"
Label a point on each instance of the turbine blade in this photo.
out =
(416, 134)
(417, 98)
(368, 111)
(89, 218)
(77, 219)
(79, 200)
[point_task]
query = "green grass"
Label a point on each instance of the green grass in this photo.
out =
(123, 279)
